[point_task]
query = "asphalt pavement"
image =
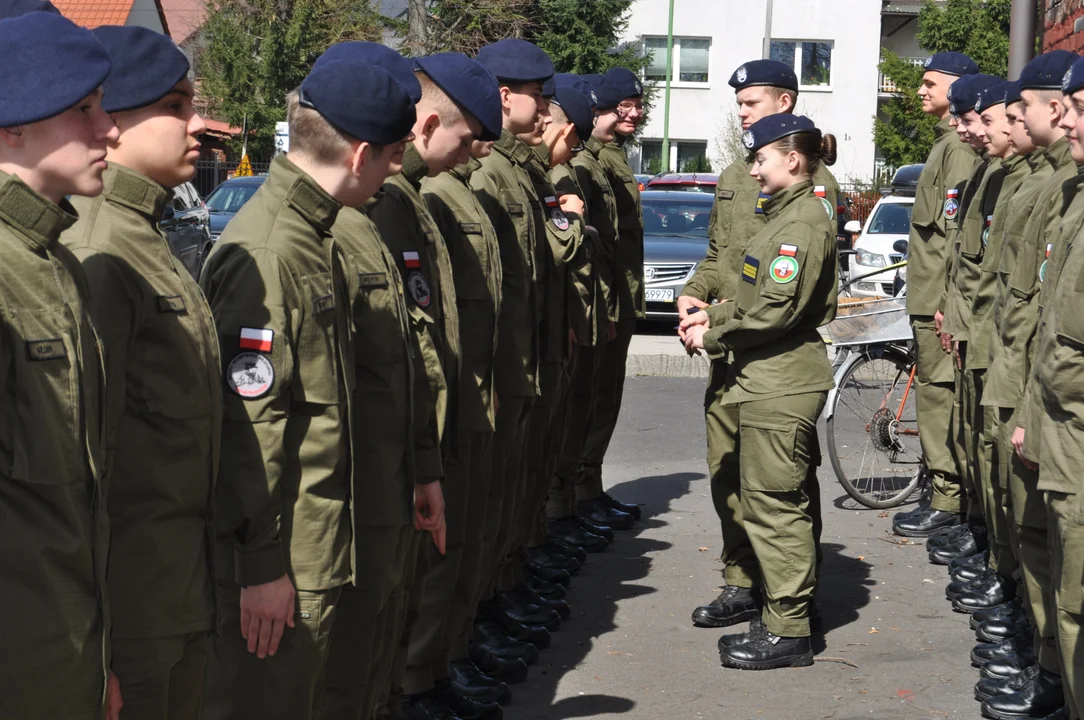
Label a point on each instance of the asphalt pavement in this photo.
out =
(891, 646)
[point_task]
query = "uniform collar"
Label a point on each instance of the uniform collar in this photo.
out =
(542, 150)
(414, 167)
(943, 126)
(594, 146)
(129, 188)
(1059, 153)
(619, 139)
(521, 151)
(38, 221)
(1037, 158)
(778, 202)
(464, 171)
(302, 193)
(1014, 162)
(507, 144)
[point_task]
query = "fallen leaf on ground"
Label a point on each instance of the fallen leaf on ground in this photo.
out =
(893, 627)
(942, 713)
(882, 514)
(861, 557)
(616, 652)
(702, 549)
(873, 630)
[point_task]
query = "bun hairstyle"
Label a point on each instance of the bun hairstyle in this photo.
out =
(828, 149)
(815, 147)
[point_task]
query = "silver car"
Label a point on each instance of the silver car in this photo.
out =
(675, 242)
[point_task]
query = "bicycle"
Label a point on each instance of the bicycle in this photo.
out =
(871, 417)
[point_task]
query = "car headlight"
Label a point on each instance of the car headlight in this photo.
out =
(870, 259)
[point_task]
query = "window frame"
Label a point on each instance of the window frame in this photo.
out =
(676, 70)
(797, 65)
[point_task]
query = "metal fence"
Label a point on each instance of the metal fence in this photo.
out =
(212, 173)
(863, 197)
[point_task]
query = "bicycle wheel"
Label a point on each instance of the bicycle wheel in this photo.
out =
(873, 431)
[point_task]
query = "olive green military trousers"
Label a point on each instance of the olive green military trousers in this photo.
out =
(607, 406)
(766, 478)
(438, 589)
(505, 486)
(1032, 540)
(287, 686)
(1003, 556)
(161, 678)
(960, 430)
(1067, 560)
(585, 363)
(934, 401)
(367, 631)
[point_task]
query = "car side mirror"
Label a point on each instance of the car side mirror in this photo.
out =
(900, 246)
(853, 226)
(169, 216)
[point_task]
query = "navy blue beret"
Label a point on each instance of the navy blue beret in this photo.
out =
(1046, 71)
(1012, 93)
(576, 104)
(145, 66)
(992, 95)
(769, 129)
(950, 63)
(50, 64)
(517, 61)
(764, 72)
(15, 8)
(964, 93)
(607, 95)
(373, 53)
(580, 83)
(364, 101)
(470, 85)
(625, 82)
(1074, 78)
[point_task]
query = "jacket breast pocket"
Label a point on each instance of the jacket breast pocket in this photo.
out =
(472, 266)
(719, 222)
(169, 374)
(317, 352)
(1069, 324)
(1024, 278)
(929, 209)
(44, 429)
(378, 322)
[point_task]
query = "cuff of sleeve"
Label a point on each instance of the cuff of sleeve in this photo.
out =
(259, 566)
(718, 313)
(713, 345)
(427, 466)
(419, 480)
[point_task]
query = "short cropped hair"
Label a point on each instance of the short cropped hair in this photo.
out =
(312, 135)
(433, 95)
(778, 92)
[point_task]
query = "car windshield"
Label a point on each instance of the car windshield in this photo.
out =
(229, 198)
(891, 219)
(676, 217)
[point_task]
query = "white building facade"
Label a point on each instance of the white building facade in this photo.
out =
(834, 46)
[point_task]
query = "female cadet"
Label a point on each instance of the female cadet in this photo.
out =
(777, 380)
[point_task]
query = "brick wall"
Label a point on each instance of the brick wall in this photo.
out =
(1058, 25)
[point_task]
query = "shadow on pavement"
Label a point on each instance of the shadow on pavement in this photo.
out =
(606, 579)
(842, 590)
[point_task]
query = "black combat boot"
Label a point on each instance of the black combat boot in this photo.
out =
(986, 688)
(756, 629)
(1037, 698)
(465, 707)
(768, 651)
(996, 590)
(734, 605)
(600, 513)
(925, 523)
(630, 508)
(466, 679)
(966, 545)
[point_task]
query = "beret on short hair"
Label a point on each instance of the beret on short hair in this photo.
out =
(764, 72)
(470, 85)
(364, 101)
(515, 60)
(950, 63)
(376, 54)
(773, 127)
(145, 66)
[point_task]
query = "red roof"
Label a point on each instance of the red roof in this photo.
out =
(184, 16)
(94, 13)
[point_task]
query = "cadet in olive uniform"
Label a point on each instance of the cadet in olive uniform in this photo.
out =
(934, 216)
(628, 291)
(53, 539)
(763, 87)
(278, 292)
(1034, 214)
(961, 273)
(163, 379)
(778, 377)
(505, 190)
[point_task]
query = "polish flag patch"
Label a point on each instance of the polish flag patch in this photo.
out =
(412, 260)
(551, 201)
(258, 339)
(788, 250)
(952, 194)
(819, 191)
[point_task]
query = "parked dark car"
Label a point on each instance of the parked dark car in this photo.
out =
(689, 182)
(186, 223)
(642, 181)
(675, 242)
(226, 199)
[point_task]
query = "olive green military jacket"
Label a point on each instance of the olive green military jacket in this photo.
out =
(383, 420)
(949, 163)
(164, 390)
(564, 238)
(1004, 385)
(54, 530)
(1025, 301)
(476, 272)
(1055, 353)
(422, 258)
(1056, 387)
(505, 191)
(600, 206)
(987, 253)
(629, 255)
(736, 217)
(587, 314)
(787, 288)
(965, 267)
(277, 289)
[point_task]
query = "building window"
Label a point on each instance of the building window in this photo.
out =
(651, 157)
(811, 60)
(691, 59)
(693, 157)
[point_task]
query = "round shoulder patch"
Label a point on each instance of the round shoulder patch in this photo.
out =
(985, 235)
(559, 218)
(783, 269)
(419, 289)
(951, 208)
(1042, 271)
(829, 208)
(250, 375)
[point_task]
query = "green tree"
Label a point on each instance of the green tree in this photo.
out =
(255, 52)
(979, 28)
(583, 37)
(468, 25)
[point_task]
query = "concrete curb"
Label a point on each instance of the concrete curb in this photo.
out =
(680, 366)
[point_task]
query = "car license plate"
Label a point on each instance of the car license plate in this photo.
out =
(659, 294)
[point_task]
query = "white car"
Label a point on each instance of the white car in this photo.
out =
(890, 221)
